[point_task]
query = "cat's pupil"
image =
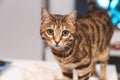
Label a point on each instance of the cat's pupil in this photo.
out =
(50, 31)
(65, 33)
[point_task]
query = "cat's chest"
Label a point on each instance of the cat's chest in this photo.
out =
(70, 66)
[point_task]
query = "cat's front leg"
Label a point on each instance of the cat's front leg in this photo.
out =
(67, 75)
(103, 71)
(75, 75)
(82, 74)
(93, 78)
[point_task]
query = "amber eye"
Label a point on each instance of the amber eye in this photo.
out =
(50, 31)
(65, 33)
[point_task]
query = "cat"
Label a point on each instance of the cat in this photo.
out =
(78, 44)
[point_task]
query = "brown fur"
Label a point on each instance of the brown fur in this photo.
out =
(87, 42)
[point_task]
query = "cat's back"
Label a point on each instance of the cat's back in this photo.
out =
(95, 16)
(95, 27)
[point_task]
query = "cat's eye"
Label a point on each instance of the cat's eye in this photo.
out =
(65, 33)
(50, 31)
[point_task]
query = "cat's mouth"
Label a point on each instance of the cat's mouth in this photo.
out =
(54, 46)
(57, 46)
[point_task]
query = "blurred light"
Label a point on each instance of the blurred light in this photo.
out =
(114, 3)
(103, 3)
(118, 25)
(112, 8)
(114, 20)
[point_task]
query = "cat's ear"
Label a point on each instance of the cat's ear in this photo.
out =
(45, 15)
(72, 16)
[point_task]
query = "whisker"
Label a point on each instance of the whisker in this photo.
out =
(68, 46)
(63, 51)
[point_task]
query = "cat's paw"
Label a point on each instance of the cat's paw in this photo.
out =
(93, 78)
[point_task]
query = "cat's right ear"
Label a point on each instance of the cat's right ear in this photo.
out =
(45, 14)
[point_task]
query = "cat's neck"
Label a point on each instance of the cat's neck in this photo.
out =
(63, 52)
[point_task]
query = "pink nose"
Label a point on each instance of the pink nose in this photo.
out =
(57, 42)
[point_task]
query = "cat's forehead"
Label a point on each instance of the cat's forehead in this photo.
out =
(58, 20)
(62, 27)
(58, 16)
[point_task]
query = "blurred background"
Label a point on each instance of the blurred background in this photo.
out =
(20, 25)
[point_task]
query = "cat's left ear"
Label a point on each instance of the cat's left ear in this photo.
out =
(72, 16)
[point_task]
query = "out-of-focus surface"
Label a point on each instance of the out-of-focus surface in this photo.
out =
(115, 41)
(35, 70)
(31, 70)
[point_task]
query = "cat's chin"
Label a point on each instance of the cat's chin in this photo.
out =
(56, 47)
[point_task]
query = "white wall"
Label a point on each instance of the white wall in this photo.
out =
(19, 29)
(61, 6)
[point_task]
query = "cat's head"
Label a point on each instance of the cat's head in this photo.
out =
(58, 30)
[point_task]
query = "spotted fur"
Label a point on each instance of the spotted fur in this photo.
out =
(86, 43)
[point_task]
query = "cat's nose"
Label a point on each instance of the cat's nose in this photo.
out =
(57, 42)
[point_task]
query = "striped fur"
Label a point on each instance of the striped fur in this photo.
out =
(86, 44)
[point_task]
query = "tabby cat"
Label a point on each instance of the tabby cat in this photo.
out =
(78, 44)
